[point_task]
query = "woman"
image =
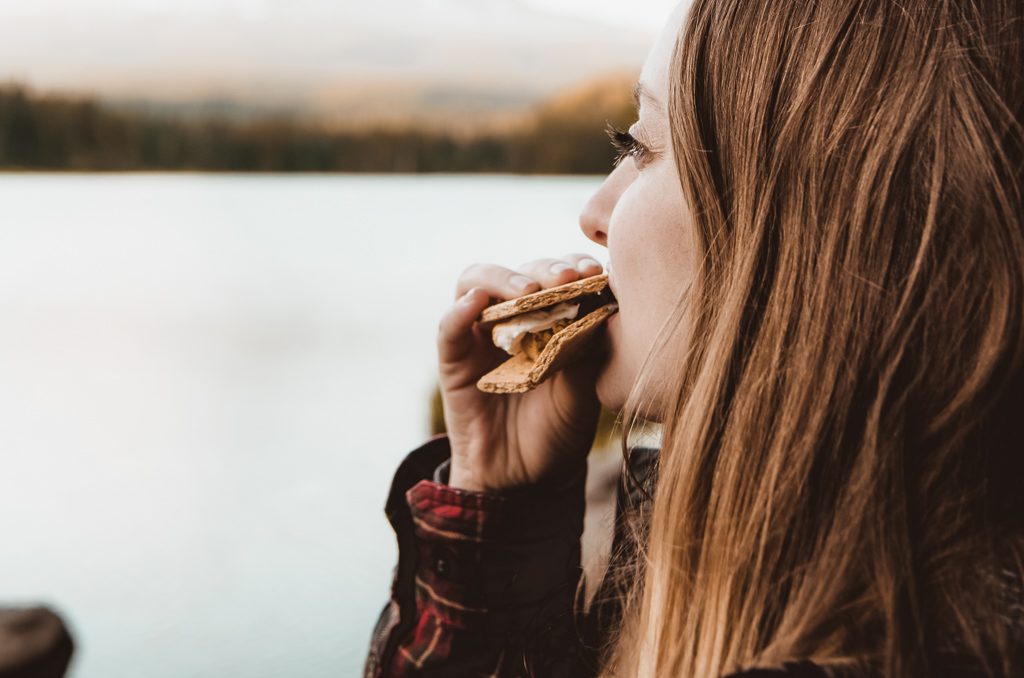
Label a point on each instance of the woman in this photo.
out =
(815, 238)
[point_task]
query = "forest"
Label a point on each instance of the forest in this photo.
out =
(47, 132)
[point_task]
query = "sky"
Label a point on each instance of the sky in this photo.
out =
(644, 14)
(649, 14)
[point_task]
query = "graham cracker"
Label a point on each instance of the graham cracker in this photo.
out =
(519, 374)
(548, 297)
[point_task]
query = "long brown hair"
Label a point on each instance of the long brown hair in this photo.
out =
(836, 474)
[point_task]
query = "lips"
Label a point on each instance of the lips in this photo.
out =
(611, 279)
(610, 294)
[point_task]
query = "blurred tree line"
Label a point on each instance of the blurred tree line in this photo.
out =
(564, 136)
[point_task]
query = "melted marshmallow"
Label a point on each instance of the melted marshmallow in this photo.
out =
(509, 334)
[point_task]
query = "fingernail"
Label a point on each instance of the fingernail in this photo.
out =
(588, 263)
(520, 282)
(557, 269)
(467, 298)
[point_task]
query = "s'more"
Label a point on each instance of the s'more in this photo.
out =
(543, 332)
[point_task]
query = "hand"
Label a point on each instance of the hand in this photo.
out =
(504, 441)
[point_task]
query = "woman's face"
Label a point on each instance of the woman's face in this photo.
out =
(640, 215)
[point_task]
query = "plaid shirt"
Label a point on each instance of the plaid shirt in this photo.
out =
(486, 585)
(483, 582)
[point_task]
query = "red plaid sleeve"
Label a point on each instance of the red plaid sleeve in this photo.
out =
(488, 584)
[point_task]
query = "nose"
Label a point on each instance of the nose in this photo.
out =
(597, 213)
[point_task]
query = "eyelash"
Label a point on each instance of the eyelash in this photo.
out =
(628, 146)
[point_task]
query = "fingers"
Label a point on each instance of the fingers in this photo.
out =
(503, 283)
(499, 282)
(554, 272)
(456, 338)
(584, 263)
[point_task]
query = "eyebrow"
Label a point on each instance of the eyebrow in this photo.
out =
(640, 94)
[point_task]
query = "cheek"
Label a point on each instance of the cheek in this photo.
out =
(626, 233)
(631, 254)
(651, 251)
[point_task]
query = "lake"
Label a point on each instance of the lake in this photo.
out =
(206, 382)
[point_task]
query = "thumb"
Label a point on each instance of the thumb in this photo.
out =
(455, 337)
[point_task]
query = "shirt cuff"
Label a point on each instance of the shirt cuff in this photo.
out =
(504, 555)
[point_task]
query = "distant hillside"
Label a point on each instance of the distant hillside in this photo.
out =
(565, 135)
(346, 61)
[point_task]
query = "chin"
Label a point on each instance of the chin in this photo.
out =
(612, 389)
(615, 385)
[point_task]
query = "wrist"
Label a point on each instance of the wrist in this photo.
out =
(462, 479)
(469, 468)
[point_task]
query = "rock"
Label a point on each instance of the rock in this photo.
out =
(34, 643)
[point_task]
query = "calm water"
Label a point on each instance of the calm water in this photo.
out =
(205, 384)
